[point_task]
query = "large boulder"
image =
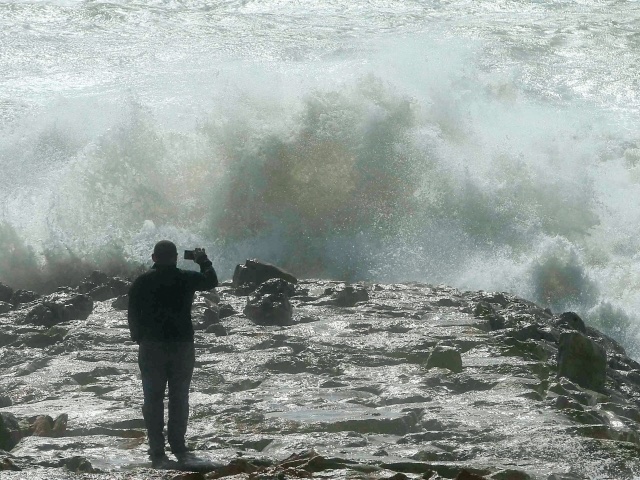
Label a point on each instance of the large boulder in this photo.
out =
(60, 307)
(6, 292)
(582, 361)
(269, 304)
(247, 277)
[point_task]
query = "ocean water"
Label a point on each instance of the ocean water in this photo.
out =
(484, 144)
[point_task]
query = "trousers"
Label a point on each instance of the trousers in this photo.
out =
(162, 364)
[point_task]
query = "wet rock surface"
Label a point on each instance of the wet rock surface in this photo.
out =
(401, 381)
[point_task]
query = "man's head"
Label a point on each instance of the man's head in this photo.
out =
(165, 253)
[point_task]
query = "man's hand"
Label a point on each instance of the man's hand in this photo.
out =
(199, 256)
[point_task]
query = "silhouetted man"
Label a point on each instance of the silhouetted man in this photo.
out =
(160, 322)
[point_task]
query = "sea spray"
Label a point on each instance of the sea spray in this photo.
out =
(426, 156)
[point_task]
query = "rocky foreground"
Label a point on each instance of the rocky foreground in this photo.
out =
(322, 380)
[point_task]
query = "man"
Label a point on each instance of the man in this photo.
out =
(160, 322)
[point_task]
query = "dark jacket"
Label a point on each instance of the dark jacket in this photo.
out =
(160, 302)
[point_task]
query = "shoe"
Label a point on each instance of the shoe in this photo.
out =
(160, 461)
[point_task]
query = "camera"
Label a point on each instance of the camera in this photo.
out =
(191, 254)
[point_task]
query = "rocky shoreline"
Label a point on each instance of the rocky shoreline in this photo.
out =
(320, 379)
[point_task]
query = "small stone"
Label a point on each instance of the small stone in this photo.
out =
(5, 401)
(445, 357)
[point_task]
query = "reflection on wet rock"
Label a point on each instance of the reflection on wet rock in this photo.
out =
(326, 380)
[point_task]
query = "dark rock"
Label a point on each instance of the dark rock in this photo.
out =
(121, 303)
(276, 286)
(510, 475)
(270, 303)
(100, 286)
(7, 338)
(20, 297)
(5, 401)
(212, 296)
(483, 310)
(533, 331)
(204, 317)
(247, 277)
(217, 329)
(497, 298)
(60, 307)
(497, 322)
(5, 307)
(69, 306)
(466, 475)
(41, 340)
(42, 426)
(6, 293)
(446, 302)
(445, 357)
(582, 361)
(7, 463)
(10, 432)
(79, 464)
(226, 310)
(570, 321)
(59, 428)
(41, 315)
(210, 316)
(345, 296)
(97, 278)
(102, 293)
(622, 362)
